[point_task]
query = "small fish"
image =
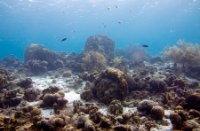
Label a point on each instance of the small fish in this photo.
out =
(116, 6)
(64, 39)
(119, 22)
(145, 46)
(108, 8)
(104, 26)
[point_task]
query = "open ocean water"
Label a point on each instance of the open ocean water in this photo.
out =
(156, 23)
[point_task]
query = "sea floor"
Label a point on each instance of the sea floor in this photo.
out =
(72, 86)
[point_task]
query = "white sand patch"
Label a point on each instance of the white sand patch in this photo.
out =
(130, 109)
(33, 103)
(72, 96)
(104, 110)
(167, 113)
(65, 84)
(47, 113)
(41, 83)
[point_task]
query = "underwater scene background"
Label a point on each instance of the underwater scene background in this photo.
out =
(154, 22)
(99, 65)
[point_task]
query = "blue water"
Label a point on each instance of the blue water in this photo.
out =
(158, 23)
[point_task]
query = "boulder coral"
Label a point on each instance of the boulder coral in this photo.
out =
(111, 84)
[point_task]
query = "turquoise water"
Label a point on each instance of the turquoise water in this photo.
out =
(158, 23)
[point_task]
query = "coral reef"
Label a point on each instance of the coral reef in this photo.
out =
(31, 94)
(11, 61)
(134, 54)
(132, 94)
(115, 107)
(10, 99)
(187, 54)
(52, 98)
(102, 45)
(193, 101)
(39, 59)
(186, 57)
(94, 61)
(4, 76)
(111, 84)
(157, 112)
(25, 83)
(146, 106)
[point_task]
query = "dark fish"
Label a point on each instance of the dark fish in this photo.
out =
(108, 8)
(64, 39)
(119, 22)
(104, 26)
(116, 6)
(145, 46)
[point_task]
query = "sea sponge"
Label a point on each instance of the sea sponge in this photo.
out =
(94, 60)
